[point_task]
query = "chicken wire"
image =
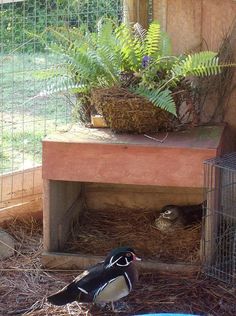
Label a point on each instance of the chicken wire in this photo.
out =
(219, 233)
(25, 118)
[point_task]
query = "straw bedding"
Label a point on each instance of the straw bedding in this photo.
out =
(24, 286)
(114, 227)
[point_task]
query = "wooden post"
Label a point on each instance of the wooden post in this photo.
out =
(210, 226)
(142, 13)
(160, 12)
(211, 220)
(10, 1)
(54, 260)
(63, 202)
(136, 11)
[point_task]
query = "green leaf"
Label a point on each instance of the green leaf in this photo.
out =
(165, 48)
(130, 48)
(199, 64)
(60, 84)
(152, 41)
(160, 98)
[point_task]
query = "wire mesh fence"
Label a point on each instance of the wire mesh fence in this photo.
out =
(219, 234)
(27, 115)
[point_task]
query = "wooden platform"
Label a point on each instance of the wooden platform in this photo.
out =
(94, 155)
(98, 156)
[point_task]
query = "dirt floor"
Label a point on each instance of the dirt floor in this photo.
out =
(24, 286)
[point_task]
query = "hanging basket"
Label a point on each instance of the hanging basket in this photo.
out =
(125, 112)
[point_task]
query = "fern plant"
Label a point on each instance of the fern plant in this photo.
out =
(126, 56)
(164, 74)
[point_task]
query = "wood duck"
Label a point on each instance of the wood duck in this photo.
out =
(106, 282)
(173, 216)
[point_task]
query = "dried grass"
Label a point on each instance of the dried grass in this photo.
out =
(125, 112)
(24, 286)
(119, 227)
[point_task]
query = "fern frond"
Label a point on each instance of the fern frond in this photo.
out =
(152, 41)
(199, 64)
(139, 52)
(60, 84)
(60, 34)
(160, 98)
(105, 32)
(93, 58)
(130, 47)
(139, 32)
(165, 47)
(49, 73)
(105, 62)
(65, 37)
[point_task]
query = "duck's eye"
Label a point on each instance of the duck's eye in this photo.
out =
(128, 255)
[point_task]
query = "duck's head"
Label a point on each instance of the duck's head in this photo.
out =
(170, 212)
(121, 257)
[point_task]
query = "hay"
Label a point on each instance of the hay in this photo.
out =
(115, 227)
(25, 285)
(125, 112)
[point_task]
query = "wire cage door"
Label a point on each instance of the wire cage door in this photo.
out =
(219, 222)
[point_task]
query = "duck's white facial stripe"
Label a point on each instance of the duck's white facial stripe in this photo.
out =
(118, 264)
(124, 265)
(112, 263)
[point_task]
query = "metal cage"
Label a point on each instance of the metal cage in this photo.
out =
(219, 229)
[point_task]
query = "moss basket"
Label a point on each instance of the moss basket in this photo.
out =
(125, 112)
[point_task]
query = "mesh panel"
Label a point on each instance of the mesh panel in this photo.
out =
(25, 116)
(219, 234)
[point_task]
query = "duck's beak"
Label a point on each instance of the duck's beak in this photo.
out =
(136, 258)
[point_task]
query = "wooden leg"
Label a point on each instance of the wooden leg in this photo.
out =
(63, 201)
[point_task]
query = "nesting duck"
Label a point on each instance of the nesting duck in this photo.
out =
(106, 282)
(173, 217)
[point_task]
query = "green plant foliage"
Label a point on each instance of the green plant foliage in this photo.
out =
(199, 64)
(160, 98)
(152, 39)
(91, 60)
(128, 56)
(130, 48)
